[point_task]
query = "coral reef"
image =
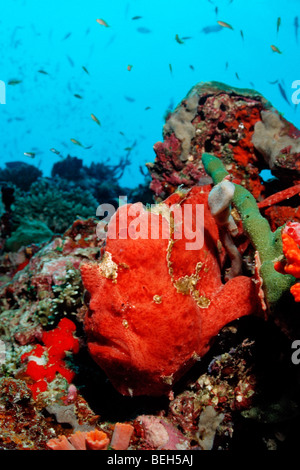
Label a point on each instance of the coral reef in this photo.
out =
(27, 233)
(53, 202)
(193, 319)
(69, 168)
(23, 427)
(221, 121)
(20, 174)
(32, 209)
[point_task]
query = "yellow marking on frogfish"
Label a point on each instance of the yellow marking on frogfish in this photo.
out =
(108, 267)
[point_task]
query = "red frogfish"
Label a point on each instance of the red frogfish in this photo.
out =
(157, 296)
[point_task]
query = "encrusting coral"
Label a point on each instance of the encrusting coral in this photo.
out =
(291, 250)
(44, 362)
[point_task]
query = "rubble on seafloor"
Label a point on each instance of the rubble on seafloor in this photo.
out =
(242, 394)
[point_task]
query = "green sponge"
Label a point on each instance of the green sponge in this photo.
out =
(267, 243)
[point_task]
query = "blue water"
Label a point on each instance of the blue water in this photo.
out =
(59, 37)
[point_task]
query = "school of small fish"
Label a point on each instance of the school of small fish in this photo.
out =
(217, 27)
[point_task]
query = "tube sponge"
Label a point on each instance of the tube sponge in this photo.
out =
(267, 243)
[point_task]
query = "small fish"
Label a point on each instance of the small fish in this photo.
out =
(225, 25)
(129, 67)
(273, 83)
(85, 69)
(296, 25)
(226, 66)
(192, 67)
(237, 75)
(143, 172)
(278, 24)
(216, 11)
(242, 34)
(14, 82)
(78, 96)
(53, 150)
(147, 107)
(128, 98)
(143, 30)
(283, 94)
(185, 38)
(70, 61)
(128, 149)
(95, 119)
(66, 36)
(122, 133)
(211, 29)
(275, 49)
(43, 72)
(29, 154)
(177, 38)
(76, 142)
(102, 22)
(136, 17)
(170, 68)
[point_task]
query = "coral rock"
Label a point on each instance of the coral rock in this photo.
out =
(160, 433)
(239, 126)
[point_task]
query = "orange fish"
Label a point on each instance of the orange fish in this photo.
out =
(129, 67)
(76, 142)
(177, 38)
(95, 119)
(102, 22)
(29, 154)
(275, 49)
(225, 25)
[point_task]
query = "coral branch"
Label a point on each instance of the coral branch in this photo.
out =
(280, 196)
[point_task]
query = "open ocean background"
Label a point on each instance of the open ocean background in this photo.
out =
(46, 44)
